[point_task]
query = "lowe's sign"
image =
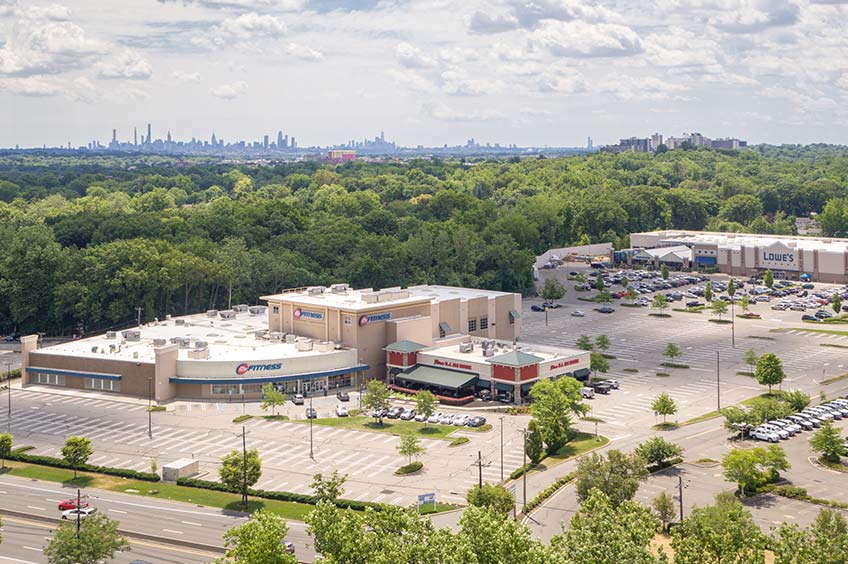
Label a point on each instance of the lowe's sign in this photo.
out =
(779, 257)
(305, 314)
(244, 367)
(366, 319)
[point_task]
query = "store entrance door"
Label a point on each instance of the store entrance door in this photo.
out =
(313, 386)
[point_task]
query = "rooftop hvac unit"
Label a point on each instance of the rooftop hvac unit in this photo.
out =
(261, 334)
(325, 346)
(370, 298)
(111, 334)
(339, 288)
(291, 338)
(211, 313)
(199, 354)
(277, 336)
(257, 310)
(303, 345)
(168, 317)
(241, 308)
(94, 349)
(200, 345)
(466, 347)
(313, 290)
(159, 342)
(227, 314)
(488, 352)
(183, 342)
(131, 335)
(180, 322)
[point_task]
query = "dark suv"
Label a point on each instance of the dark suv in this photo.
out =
(343, 396)
(602, 387)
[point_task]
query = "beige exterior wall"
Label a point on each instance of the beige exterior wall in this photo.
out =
(134, 375)
(831, 263)
(416, 329)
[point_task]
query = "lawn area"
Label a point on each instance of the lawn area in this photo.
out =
(197, 496)
(391, 426)
(835, 379)
(808, 330)
(580, 444)
(704, 417)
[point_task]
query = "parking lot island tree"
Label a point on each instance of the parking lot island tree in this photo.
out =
(750, 358)
(377, 397)
(836, 304)
(97, 540)
(535, 444)
(745, 302)
(599, 282)
(5, 448)
(233, 472)
(625, 282)
(796, 399)
(584, 342)
(659, 302)
(719, 533)
(671, 352)
(615, 473)
(664, 271)
(553, 290)
(272, 398)
(657, 451)
(824, 542)
(769, 370)
(491, 496)
(76, 451)
(665, 508)
(753, 468)
(597, 363)
(425, 404)
(664, 405)
(410, 446)
(604, 296)
(330, 488)
(828, 442)
(719, 308)
(602, 342)
(708, 292)
(555, 402)
(768, 279)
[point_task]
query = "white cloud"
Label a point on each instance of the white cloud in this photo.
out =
(55, 12)
(30, 86)
(580, 39)
(530, 14)
(304, 53)
(412, 57)
(229, 91)
(751, 16)
(411, 80)
(442, 112)
(249, 27)
(456, 83)
(127, 64)
(842, 83)
(241, 5)
(47, 47)
(186, 76)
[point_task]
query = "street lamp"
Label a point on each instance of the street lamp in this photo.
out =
(150, 407)
(502, 460)
(311, 454)
(718, 383)
(9, 388)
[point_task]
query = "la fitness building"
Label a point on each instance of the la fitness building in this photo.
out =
(305, 340)
(822, 259)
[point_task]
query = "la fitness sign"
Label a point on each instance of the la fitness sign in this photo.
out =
(452, 364)
(244, 367)
(373, 318)
(306, 314)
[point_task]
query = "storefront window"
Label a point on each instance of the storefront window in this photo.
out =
(484, 323)
(103, 385)
(49, 379)
(472, 325)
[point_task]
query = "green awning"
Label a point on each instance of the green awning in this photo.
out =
(516, 358)
(405, 346)
(440, 377)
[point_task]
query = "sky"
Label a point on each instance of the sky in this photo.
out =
(430, 72)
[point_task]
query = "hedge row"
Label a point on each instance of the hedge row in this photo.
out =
(279, 496)
(548, 492)
(59, 463)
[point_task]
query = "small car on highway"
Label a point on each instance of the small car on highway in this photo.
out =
(71, 504)
(83, 512)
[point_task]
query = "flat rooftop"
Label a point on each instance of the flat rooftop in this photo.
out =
(233, 339)
(738, 240)
(367, 299)
(503, 347)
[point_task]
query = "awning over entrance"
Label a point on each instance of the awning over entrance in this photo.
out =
(439, 377)
(513, 315)
(805, 276)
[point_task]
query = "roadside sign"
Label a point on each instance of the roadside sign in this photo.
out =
(428, 498)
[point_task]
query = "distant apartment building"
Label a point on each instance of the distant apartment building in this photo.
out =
(652, 143)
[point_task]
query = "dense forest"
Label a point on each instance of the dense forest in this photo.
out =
(87, 240)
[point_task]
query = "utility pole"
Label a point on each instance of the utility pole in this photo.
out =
(680, 495)
(718, 383)
(78, 513)
(732, 322)
(9, 389)
(138, 316)
(311, 453)
(150, 407)
(244, 468)
(524, 473)
(479, 470)
(502, 460)
(243, 407)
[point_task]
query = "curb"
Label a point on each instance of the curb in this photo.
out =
(131, 534)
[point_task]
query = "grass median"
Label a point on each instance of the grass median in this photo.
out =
(172, 492)
(390, 426)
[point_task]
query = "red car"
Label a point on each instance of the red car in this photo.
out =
(71, 504)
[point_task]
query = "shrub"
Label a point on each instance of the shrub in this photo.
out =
(548, 492)
(242, 418)
(459, 441)
(410, 468)
(59, 463)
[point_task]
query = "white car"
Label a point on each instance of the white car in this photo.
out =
(341, 411)
(793, 428)
(435, 417)
(421, 417)
(71, 514)
(782, 433)
(460, 420)
(765, 435)
(816, 415)
(577, 313)
(446, 419)
(802, 421)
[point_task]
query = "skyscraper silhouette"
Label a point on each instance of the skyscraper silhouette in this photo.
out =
(149, 136)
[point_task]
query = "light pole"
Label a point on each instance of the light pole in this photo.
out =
(718, 383)
(502, 462)
(311, 454)
(244, 468)
(524, 504)
(150, 407)
(9, 389)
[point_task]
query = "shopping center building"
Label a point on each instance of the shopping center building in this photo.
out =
(305, 340)
(822, 259)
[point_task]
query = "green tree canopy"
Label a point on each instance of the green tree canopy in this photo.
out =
(553, 289)
(232, 470)
(98, 540)
(260, 539)
(492, 496)
(753, 468)
(330, 488)
(828, 442)
(76, 452)
(769, 370)
(615, 474)
(664, 405)
(657, 451)
(272, 398)
(555, 402)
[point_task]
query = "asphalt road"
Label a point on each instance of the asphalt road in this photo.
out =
(169, 521)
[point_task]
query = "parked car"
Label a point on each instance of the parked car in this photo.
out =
(297, 399)
(71, 504)
(751, 315)
(782, 433)
(446, 419)
(577, 313)
(792, 428)
(605, 309)
(762, 434)
(601, 387)
(394, 412)
(341, 411)
(477, 421)
(536, 307)
(484, 395)
(289, 546)
(805, 424)
(343, 396)
(407, 415)
(460, 420)
(421, 417)
(614, 384)
(551, 305)
(809, 318)
(435, 417)
(377, 413)
(311, 413)
(587, 392)
(82, 512)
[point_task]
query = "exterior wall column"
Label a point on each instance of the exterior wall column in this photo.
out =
(29, 343)
(165, 369)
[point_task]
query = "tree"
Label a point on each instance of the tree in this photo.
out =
(719, 308)
(410, 446)
(617, 475)
(750, 358)
(734, 418)
(553, 290)
(768, 279)
(330, 488)
(272, 397)
(656, 451)
(97, 540)
(535, 444)
(671, 352)
(377, 396)
(554, 402)
(825, 542)
(602, 342)
(664, 271)
(631, 294)
(664, 405)
(604, 296)
(797, 400)
(625, 282)
(745, 302)
(828, 442)
(665, 508)
(597, 363)
(425, 403)
(719, 533)
(5, 448)
(836, 304)
(232, 470)
(708, 291)
(753, 468)
(769, 370)
(604, 532)
(659, 302)
(484, 537)
(731, 288)
(584, 342)
(76, 452)
(492, 496)
(599, 282)
(258, 540)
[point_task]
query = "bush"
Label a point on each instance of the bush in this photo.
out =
(23, 448)
(548, 492)
(410, 468)
(518, 472)
(792, 492)
(459, 441)
(156, 408)
(674, 365)
(59, 463)
(666, 464)
(242, 418)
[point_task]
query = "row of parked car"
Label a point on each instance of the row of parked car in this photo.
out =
(810, 418)
(409, 414)
(605, 387)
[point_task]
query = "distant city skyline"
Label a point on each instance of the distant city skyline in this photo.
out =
(435, 72)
